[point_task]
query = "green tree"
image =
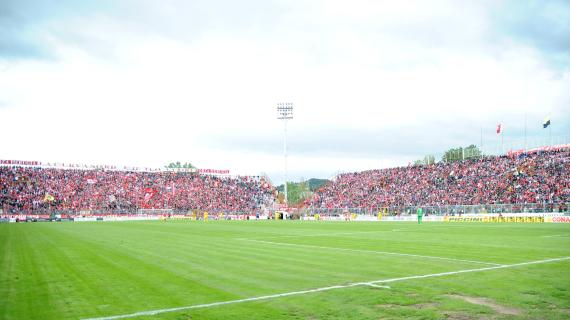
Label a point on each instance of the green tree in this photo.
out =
(296, 191)
(315, 183)
(178, 165)
(452, 155)
(458, 154)
(428, 159)
(473, 152)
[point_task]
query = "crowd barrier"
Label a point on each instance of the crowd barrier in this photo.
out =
(554, 217)
(551, 217)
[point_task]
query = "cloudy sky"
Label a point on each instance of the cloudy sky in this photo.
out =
(374, 83)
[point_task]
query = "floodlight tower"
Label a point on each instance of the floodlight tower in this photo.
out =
(285, 112)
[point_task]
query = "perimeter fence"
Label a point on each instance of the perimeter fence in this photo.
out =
(444, 210)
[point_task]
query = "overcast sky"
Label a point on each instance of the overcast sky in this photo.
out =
(374, 83)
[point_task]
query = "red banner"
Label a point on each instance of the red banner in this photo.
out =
(564, 219)
(214, 171)
(21, 162)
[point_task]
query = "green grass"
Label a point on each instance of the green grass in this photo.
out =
(84, 270)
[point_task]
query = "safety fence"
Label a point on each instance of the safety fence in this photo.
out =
(451, 210)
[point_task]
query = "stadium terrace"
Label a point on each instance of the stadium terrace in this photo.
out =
(537, 177)
(38, 189)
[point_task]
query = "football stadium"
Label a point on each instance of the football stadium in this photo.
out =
(284, 160)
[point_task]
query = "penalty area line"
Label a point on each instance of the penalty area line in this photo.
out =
(293, 293)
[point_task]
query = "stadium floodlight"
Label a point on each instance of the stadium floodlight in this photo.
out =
(285, 112)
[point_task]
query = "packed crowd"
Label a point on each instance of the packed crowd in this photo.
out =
(542, 177)
(27, 189)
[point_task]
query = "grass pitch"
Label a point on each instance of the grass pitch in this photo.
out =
(104, 269)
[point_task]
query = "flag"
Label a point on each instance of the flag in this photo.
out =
(149, 193)
(546, 122)
(48, 198)
(499, 128)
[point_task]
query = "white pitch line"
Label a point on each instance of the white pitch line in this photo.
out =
(504, 266)
(316, 234)
(373, 251)
(377, 286)
(326, 234)
(286, 294)
(557, 236)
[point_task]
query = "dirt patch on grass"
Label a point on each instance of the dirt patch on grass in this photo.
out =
(424, 305)
(387, 305)
(456, 315)
(416, 306)
(488, 303)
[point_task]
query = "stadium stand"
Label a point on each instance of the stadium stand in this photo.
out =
(539, 177)
(36, 189)
(525, 178)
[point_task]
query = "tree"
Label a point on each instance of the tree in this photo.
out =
(428, 159)
(178, 165)
(315, 183)
(296, 191)
(473, 152)
(452, 155)
(458, 154)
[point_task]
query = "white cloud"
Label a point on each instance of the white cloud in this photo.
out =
(120, 93)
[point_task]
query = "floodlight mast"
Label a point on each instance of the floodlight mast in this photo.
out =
(285, 112)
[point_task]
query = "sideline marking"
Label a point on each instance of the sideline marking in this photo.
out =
(372, 251)
(377, 286)
(286, 294)
(557, 236)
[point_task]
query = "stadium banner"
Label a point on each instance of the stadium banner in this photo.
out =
(364, 218)
(528, 219)
(539, 149)
(560, 219)
(413, 218)
(370, 218)
(20, 163)
(84, 219)
(116, 218)
(214, 171)
(258, 217)
(514, 214)
(131, 218)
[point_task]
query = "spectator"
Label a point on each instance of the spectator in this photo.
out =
(26, 189)
(542, 177)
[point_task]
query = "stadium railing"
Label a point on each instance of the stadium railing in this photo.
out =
(446, 210)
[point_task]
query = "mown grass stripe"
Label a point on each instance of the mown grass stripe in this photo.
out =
(286, 294)
(373, 251)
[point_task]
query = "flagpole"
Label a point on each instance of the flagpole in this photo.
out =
(525, 144)
(502, 146)
(481, 145)
(550, 132)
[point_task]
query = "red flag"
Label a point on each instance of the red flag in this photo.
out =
(148, 194)
(499, 128)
